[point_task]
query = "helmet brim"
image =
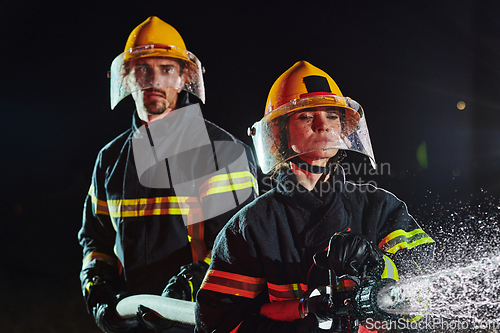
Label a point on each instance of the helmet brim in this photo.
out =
(268, 136)
(121, 84)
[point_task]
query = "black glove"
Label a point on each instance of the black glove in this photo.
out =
(324, 309)
(183, 286)
(101, 301)
(351, 254)
(153, 320)
(319, 305)
(186, 284)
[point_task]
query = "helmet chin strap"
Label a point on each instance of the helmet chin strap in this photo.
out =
(301, 164)
(316, 169)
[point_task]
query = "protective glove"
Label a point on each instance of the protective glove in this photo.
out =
(186, 284)
(183, 286)
(319, 305)
(101, 301)
(152, 320)
(351, 254)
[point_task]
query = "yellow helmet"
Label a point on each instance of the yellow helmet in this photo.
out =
(155, 32)
(304, 86)
(154, 38)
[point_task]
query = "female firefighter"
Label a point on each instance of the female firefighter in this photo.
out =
(264, 267)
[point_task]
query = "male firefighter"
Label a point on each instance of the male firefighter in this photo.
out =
(163, 189)
(312, 226)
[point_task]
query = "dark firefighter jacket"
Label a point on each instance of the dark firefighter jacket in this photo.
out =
(140, 235)
(265, 253)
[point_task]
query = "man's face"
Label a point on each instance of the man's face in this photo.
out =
(314, 130)
(159, 80)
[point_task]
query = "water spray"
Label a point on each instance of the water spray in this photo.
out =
(459, 299)
(470, 293)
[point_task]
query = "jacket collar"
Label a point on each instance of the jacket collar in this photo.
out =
(325, 204)
(322, 194)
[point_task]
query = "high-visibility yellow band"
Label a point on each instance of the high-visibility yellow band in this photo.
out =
(416, 318)
(228, 182)
(191, 287)
(232, 175)
(155, 200)
(91, 190)
(208, 258)
(171, 205)
(390, 269)
(149, 212)
(99, 206)
(88, 285)
(401, 239)
(228, 188)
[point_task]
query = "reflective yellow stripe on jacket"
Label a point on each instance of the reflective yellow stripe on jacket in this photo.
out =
(401, 239)
(396, 241)
(99, 206)
(390, 269)
(189, 207)
(171, 205)
(228, 182)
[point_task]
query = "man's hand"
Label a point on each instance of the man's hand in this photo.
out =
(183, 286)
(186, 284)
(109, 321)
(153, 320)
(102, 299)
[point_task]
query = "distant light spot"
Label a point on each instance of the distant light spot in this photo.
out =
(422, 155)
(461, 105)
(18, 209)
(456, 172)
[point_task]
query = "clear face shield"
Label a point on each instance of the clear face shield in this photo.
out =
(155, 66)
(287, 132)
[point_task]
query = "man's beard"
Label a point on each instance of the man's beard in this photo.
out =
(156, 107)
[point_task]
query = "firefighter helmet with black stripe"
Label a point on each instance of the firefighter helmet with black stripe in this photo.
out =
(304, 87)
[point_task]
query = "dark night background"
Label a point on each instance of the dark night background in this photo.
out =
(408, 63)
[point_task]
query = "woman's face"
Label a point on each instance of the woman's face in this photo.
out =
(314, 130)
